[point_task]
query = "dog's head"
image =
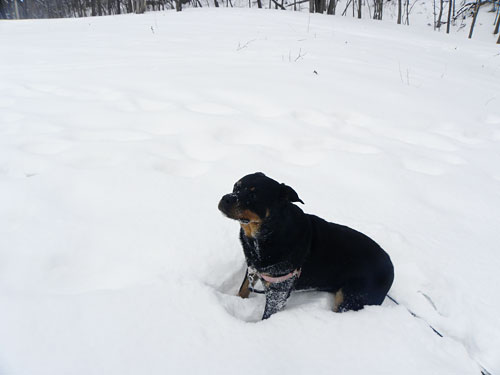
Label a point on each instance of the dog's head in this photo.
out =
(253, 198)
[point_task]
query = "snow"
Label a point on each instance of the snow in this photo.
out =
(118, 136)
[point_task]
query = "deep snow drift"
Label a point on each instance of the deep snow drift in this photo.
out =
(118, 135)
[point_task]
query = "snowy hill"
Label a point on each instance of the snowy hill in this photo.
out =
(118, 136)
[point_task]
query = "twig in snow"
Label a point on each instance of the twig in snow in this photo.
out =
(300, 56)
(430, 301)
(244, 45)
(407, 75)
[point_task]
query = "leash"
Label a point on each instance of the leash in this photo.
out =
(254, 276)
(416, 316)
(483, 370)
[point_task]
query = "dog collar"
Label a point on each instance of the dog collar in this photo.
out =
(280, 279)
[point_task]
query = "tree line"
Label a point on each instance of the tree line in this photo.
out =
(445, 12)
(18, 9)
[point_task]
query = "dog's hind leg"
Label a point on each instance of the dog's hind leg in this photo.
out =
(338, 298)
(244, 291)
(352, 296)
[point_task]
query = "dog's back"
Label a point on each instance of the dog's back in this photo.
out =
(343, 258)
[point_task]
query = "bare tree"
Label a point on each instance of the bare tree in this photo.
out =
(16, 9)
(322, 6)
(449, 17)
(399, 12)
(331, 7)
(476, 11)
(378, 9)
(440, 14)
(497, 26)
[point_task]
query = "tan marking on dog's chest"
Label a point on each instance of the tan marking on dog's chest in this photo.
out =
(252, 228)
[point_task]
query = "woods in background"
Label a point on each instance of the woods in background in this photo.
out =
(16, 9)
(445, 12)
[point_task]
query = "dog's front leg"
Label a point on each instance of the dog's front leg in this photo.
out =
(244, 291)
(276, 296)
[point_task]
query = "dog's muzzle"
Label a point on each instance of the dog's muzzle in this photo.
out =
(227, 203)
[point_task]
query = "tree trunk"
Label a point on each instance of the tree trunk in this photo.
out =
(476, 11)
(359, 9)
(16, 10)
(399, 12)
(378, 8)
(434, 13)
(311, 6)
(26, 9)
(449, 17)
(140, 6)
(94, 8)
(118, 7)
(441, 5)
(497, 26)
(99, 7)
(317, 6)
(3, 13)
(331, 7)
(408, 12)
(323, 6)
(178, 5)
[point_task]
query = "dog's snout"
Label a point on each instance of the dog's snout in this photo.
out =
(227, 202)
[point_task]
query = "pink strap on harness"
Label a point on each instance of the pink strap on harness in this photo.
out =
(280, 279)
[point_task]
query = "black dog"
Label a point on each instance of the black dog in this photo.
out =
(287, 249)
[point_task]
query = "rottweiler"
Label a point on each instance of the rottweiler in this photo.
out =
(287, 249)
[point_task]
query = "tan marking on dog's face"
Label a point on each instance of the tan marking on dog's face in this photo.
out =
(252, 228)
(337, 300)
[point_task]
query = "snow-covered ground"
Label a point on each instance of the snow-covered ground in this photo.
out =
(118, 136)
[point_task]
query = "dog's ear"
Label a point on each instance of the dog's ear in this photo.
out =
(289, 194)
